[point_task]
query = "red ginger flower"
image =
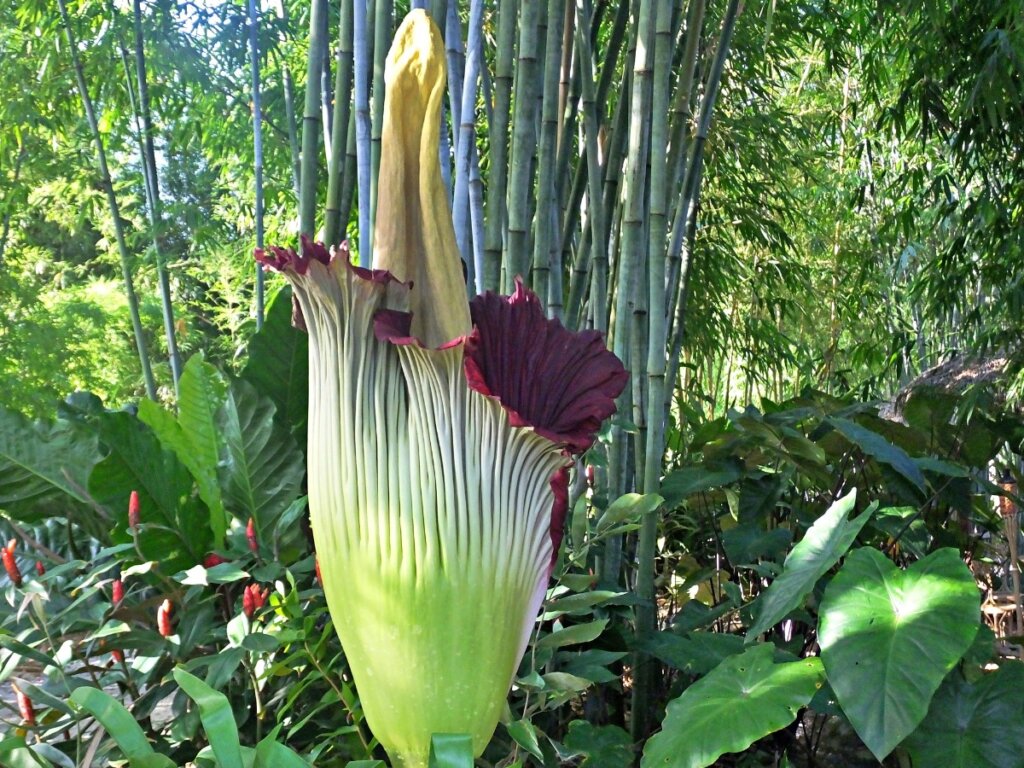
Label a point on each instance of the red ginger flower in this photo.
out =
(213, 559)
(133, 510)
(40, 568)
(117, 591)
(163, 618)
(253, 598)
(10, 563)
(117, 655)
(28, 712)
(250, 535)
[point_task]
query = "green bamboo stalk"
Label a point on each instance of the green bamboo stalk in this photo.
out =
(465, 148)
(547, 155)
(288, 86)
(645, 668)
(348, 181)
(524, 143)
(382, 31)
(257, 144)
(496, 210)
(361, 87)
(335, 216)
(686, 206)
(326, 90)
(155, 207)
(595, 200)
(310, 171)
(115, 210)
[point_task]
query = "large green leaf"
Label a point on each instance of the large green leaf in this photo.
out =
(743, 699)
(880, 449)
(194, 436)
(176, 529)
(889, 637)
(40, 462)
(216, 716)
(974, 726)
(279, 364)
(820, 548)
(121, 725)
(263, 472)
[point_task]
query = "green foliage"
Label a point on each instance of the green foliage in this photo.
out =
(749, 692)
(889, 637)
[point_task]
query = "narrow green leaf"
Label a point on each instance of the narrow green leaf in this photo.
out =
(877, 447)
(525, 735)
(14, 753)
(630, 506)
(217, 718)
(577, 633)
(821, 547)
(121, 725)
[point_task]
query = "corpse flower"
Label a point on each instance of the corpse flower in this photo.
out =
(440, 432)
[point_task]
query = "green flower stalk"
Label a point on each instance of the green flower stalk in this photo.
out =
(440, 433)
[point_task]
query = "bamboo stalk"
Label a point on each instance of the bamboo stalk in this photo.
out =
(361, 88)
(595, 200)
(310, 171)
(289, 109)
(257, 149)
(524, 142)
(326, 91)
(547, 155)
(381, 35)
(496, 210)
(115, 211)
(682, 115)
(646, 670)
(465, 148)
(155, 207)
(335, 215)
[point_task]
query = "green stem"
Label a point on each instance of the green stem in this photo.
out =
(335, 215)
(309, 175)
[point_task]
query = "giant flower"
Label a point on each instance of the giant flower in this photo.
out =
(440, 432)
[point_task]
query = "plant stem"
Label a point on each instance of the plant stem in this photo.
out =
(309, 174)
(257, 146)
(336, 215)
(115, 211)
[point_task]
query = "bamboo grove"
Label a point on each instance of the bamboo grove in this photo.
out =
(576, 147)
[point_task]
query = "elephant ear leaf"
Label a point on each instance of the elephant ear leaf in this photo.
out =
(974, 724)
(750, 692)
(889, 637)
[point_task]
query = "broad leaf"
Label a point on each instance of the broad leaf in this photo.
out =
(278, 364)
(880, 449)
(889, 637)
(628, 507)
(263, 472)
(194, 436)
(742, 700)
(176, 529)
(40, 462)
(687, 481)
(602, 746)
(821, 547)
(974, 726)
(451, 750)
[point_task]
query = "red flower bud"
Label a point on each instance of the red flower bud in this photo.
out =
(117, 591)
(319, 578)
(590, 475)
(213, 559)
(253, 598)
(40, 568)
(133, 510)
(28, 712)
(250, 534)
(10, 564)
(117, 655)
(163, 619)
